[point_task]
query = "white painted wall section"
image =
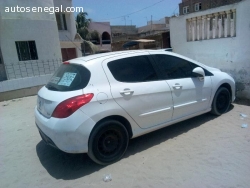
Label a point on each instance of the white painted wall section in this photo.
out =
(67, 37)
(40, 27)
(231, 55)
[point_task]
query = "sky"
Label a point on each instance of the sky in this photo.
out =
(127, 12)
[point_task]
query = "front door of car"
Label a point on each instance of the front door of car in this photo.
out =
(190, 94)
(136, 88)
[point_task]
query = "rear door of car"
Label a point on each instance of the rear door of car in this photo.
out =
(190, 94)
(135, 87)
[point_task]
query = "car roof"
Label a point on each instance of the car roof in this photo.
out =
(101, 57)
(109, 55)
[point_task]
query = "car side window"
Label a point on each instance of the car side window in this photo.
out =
(173, 67)
(133, 69)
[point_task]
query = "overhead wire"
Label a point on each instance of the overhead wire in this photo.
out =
(133, 12)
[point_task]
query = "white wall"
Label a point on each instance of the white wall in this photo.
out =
(70, 19)
(67, 37)
(25, 26)
(231, 55)
(28, 82)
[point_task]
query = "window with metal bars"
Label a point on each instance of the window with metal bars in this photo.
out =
(26, 50)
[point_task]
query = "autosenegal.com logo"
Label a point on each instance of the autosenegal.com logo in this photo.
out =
(50, 10)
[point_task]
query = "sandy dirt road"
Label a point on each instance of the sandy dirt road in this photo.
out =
(205, 151)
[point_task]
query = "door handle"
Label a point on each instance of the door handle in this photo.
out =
(126, 92)
(177, 86)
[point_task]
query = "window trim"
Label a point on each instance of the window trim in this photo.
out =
(197, 7)
(186, 10)
(63, 22)
(21, 56)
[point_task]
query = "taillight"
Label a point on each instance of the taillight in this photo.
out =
(69, 106)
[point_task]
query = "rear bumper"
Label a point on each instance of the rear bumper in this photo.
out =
(70, 134)
(46, 139)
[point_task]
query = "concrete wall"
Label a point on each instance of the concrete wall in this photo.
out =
(231, 55)
(16, 88)
(164, 20)
(26, 26)
(123, 33)
(24, 92)
(122, 29)
(16, 84)
(153, 27)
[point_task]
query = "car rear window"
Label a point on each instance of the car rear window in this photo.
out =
(69, 77)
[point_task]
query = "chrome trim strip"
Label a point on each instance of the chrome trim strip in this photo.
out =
(189, 103)
(156, 111)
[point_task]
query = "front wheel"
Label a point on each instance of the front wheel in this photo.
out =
(108, 142)
(221, 102)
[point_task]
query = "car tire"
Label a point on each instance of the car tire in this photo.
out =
(108, 142)
(221, 102)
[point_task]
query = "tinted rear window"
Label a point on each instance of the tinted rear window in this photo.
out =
(69, 77)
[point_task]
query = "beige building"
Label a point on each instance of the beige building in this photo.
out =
(154, 27)
(123, 33)
(157, 30)
(103, 28)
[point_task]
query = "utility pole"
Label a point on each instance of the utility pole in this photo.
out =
(125, 27)
(151, 22)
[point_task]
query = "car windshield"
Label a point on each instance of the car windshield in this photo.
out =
(69, 77)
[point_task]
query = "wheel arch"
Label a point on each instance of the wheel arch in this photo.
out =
(119, 118)
(228, 86)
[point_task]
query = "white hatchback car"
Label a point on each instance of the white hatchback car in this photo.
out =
(95, 104)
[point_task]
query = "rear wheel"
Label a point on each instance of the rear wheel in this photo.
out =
(221, 102)
(108, 142)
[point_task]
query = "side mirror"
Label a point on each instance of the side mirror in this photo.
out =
(199, 72)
